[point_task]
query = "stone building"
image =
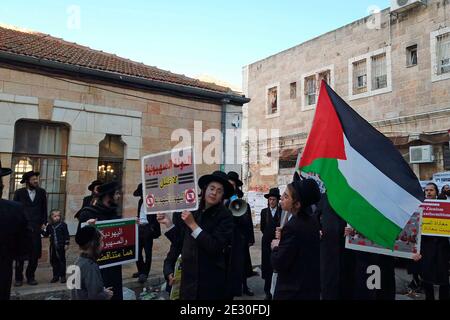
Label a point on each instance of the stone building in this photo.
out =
(393, 68)
(77, 114)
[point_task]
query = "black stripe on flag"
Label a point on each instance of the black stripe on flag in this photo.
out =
(375, 147)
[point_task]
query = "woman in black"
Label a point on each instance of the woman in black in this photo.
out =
(435, 254)
(106, 209)
(202, 242)
(296, 256)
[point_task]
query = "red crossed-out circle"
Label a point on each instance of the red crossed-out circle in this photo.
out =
(150, 200)
(189, 196)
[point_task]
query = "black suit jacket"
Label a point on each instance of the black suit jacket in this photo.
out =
(297, 260)
(35, 211)
(15, 236)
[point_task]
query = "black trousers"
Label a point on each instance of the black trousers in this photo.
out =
(6, 270)
(58, 261)
(112, 277)
(35, 254)
(146, 245)
(268, 284)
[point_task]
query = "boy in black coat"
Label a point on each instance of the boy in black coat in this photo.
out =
(59, 243)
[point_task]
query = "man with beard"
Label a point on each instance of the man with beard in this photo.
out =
(106, 209)
(14, 237)
(34, 200)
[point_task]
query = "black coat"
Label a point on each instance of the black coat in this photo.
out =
(332, 247)
(59, 235)
(434, 264)
(268, 226)
(240, 261)
(15, 241)
(297, 260)
(112, 276)
(35, 211)
(15, 235)
(152, 230)
(204, 261)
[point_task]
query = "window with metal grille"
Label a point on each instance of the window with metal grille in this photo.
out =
(443, 53)
(379, 72)
(411, 56)
(42, 147)
(359, 77)
(310, 90)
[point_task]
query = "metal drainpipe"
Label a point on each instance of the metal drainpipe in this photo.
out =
(224, 130)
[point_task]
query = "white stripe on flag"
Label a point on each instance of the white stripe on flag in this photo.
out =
(381, 192)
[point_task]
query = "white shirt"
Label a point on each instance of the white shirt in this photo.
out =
(274, 210)
(32, 194)
(143, 215)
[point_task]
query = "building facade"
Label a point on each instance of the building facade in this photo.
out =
(392, 68)
(75, 115)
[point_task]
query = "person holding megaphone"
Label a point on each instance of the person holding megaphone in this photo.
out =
(243, 237)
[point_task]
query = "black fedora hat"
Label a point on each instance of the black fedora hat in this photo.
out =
(94, 184)
(4, 171)
(307, 190)
(217, 176)
(234, 176)
(108, 188)
(138, 191)
(274, 192)
(28, 175)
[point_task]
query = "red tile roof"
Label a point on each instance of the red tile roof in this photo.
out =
(42, 46)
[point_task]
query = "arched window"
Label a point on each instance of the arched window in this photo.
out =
(110, 160)
(42, 146)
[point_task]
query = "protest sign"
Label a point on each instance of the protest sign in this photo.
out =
(169, 181)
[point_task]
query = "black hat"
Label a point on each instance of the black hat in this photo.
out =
(307, 191)
(217, 176)
(28, 175)
(138, 191)
(4, 171)
(86, 235)
(108, 188)
(234, 176)
(274, 192)
(94, 184)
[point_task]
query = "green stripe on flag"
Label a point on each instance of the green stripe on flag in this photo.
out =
(351, 206)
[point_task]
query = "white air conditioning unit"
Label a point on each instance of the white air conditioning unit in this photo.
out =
(403, 5)
(421, 154)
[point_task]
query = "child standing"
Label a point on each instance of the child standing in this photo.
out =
(91, 283)
(57, 230)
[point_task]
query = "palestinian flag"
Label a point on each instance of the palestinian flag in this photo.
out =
(368, 182)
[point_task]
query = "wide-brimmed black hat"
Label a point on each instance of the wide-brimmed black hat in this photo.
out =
(28, 175)
(138, 191)
(4, 171)
(94, 184)
(307, 190)
(86, 235)
(274, 192)
(108, 188)
(234, 176)
(217, 176)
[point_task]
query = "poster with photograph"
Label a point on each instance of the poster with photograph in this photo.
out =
(407, 244)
